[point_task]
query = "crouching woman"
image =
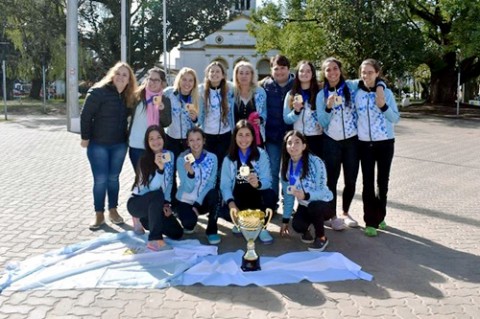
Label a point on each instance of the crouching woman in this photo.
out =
(150, 201)
(303, 177)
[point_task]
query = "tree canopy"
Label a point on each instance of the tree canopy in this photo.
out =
(401, 34)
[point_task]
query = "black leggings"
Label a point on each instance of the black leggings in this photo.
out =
(149, 208)
(315, 214)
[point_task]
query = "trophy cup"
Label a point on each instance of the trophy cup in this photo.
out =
(251, 222)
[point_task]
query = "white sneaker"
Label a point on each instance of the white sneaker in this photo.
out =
(349, 221)
(335, 223)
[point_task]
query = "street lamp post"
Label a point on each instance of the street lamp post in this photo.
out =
(165, 39)
(458, 82)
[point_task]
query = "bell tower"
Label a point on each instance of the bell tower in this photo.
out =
(245, 6)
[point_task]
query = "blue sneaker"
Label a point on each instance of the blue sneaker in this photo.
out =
(265, 237)
(214, 239)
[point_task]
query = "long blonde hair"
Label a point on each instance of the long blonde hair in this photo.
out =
(194, 93)
(128, 93)
(253, 83)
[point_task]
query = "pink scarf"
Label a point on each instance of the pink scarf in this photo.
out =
(255, 116)
(153, 115)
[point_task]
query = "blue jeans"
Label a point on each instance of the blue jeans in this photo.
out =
(274, 151)
(106, 162)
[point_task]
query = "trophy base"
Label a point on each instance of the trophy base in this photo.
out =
(251, 265)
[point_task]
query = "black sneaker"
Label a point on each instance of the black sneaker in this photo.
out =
(307, 238)
(318, 244)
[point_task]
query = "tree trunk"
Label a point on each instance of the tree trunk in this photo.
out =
(443, 87)
(36, 88)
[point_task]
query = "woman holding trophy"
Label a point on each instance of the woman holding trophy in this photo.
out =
(246, 179)
(304, 179)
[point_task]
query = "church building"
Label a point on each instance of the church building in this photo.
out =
(230, 44)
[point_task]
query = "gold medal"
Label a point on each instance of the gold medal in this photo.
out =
(189, 158)
(166, 157)
(244, 170)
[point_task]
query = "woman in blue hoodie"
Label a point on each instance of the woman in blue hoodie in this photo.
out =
(246, 179)
(304, 179)
(377, 114)
(196, 195)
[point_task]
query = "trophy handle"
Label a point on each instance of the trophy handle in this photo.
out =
(268, 217)
(234, 216)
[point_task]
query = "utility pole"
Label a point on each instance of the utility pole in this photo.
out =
(73, 112)
(164, 18)
(123, 32)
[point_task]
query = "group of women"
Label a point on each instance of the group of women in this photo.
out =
(226, 142)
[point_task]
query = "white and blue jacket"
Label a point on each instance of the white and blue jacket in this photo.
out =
(229, 174)
(339, 122)
(193, 189)
(305, 122)
(375, 124)
(211, 122)
(314, 184)
(158, 181)
(181, 121)
(260, 100)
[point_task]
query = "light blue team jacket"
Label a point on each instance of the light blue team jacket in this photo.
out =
(306, 122)
(260, 98)
(375, 124)
(157, 181)
(315, 184)
(229, 174)
(341, 122)
(194, 189)
(214, 111)
(181, 121)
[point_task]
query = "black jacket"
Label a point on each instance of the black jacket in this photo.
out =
(104, 116)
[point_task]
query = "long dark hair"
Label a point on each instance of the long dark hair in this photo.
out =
(297, 86)
(286, 156)
(233, 149)
(223, 91)
(346, 91)
(146, 165)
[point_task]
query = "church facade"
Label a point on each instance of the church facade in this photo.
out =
(230, 44)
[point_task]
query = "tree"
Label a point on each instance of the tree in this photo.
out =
(290, 27)
(349, 30)
(36, 29)
(452, 34)
(187, 20)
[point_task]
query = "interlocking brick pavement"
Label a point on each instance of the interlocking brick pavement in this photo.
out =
(426, 265)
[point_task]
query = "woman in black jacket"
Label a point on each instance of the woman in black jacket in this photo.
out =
(104, 134)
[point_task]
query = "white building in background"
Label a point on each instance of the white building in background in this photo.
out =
(228, 45)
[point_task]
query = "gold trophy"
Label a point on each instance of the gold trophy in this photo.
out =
(251, 222)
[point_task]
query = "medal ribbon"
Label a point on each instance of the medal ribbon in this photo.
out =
(200, 159)
(244, 158)
(293, 176)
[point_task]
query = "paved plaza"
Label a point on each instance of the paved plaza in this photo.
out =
(427, 263)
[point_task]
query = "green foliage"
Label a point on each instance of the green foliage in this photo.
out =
(291, 27)
(186, 20)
